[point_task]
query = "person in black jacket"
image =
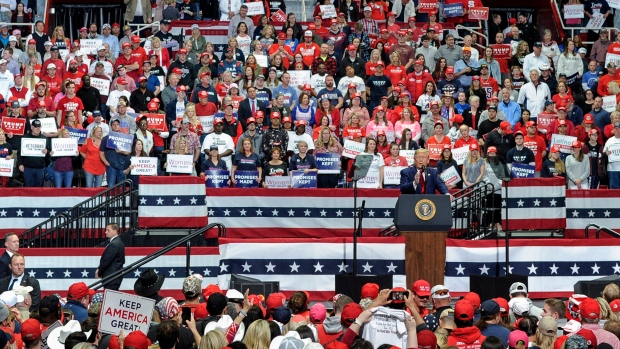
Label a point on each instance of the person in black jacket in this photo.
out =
(246, 110)
(90, 96)
(113, 257)
(188, 73)
(33, 167)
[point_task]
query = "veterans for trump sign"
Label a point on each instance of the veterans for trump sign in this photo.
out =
(125, 312)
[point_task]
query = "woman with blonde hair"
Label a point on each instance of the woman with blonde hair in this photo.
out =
(59, 40)
(553, 166)
(258, 335)
(30, 78)
(606, 313)
(234, 44)
(474, 167)
(375, 56)
(198, 41)
(93, 167)
(163, 58)
(519, 57)
(194, 123)
(577, 168)
(611, 292)
(546, 333)
(327, 143)
(395, 71)
(213, 340)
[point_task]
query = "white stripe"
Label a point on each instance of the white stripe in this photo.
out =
(42, 202)
(532, 254)
(297, 222)
(294, 250)
(549, 192)
(580, 223)
(594, 202)
(304, 282)
(297, 202)
(171, 189)
(544, 213)
(89, 263)
(172, 211)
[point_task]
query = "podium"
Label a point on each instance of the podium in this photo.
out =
(425, 221)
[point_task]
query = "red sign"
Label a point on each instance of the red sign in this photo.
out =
(544, 121)
(15, 126)
(156, 121)
(179, 121)
(480, 13)
(428, 6)
(435, 151)
(279, 17)
(501, 51)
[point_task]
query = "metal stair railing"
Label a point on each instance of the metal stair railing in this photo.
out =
(184, 240)
(84, 224)
(472, 211)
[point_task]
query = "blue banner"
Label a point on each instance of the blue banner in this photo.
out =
(79, 134)
(120, 141)
(216, 179)
(301, 180)
(246, 179)
(522, 170)
(453, 10)
(328, 163)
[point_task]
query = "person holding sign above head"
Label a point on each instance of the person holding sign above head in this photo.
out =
(63, 165)
(577, 168)
(28, 159)
(115, 160)
(420, 179)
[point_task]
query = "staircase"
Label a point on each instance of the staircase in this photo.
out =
(84, 225)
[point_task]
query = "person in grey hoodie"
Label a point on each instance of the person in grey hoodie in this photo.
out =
(331, 328)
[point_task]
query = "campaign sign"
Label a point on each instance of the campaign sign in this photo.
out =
(612, 57)
(48, 124)
(329, 11)
(299, 179)
(391, 174)
(479, 13)
(64, 147)
(6, 167)
(255, 8)
(156, 121)
(544, 122)
(574, 11)
(90, 46)
(611, 3)
(501, 51)
(453, 10)
(389, 135)
(216, 179)
(103, 85)
(450, 176)
(615, 152)
(409, 155)
(47, 332)
(427, 6)
(371, 180)
(435, 151)
(120, 141)
(206, 122)
(352, 149)
(299, 77)
(328, 163)
(180, 163)
(16, 126)
(278, 182)
(125, 312)
(460, 154)
(144, 166)
(279, 16)
(33, 147)
(562, 142)
(262, 60)
(609, 103)
(246, 179)
(78, 134)
(522, 170)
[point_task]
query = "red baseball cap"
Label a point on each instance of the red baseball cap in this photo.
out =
(275, 299)
(554, 149)
(138, 340)
(282, 36)
(588, 118)
(351, 47)
(79, 290)
(203, 94)
(135, 39)
(463, 310)
(473, 297)
(370, 290)
(121, 81)
(142, 78)
(182, 51)
(177, 71)
(125, 44)
(577, 144)
(286, 119)
(450, 70)
(32, 41)
(41, 104)
(421, 288)
(152, 106)
(530, 123)
(31, 329)
(181, 88)
(561, 122)
(206, 73)
(275, 115)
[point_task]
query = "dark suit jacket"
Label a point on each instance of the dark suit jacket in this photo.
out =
(112, 260)
(433, 182)
(5, 260)
(26, 281)
(245, 111)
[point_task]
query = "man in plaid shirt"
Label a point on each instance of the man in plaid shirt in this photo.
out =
(331, 65)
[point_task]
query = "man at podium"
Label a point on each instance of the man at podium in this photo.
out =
(421, 179)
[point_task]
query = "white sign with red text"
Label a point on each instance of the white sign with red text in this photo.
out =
(125, 312)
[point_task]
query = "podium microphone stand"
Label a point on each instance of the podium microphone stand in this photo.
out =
(361, 166)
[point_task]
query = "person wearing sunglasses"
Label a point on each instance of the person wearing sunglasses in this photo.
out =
(440, 296)
(421, 296)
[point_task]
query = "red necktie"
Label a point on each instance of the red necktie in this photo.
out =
(422, 183)
(253, 108)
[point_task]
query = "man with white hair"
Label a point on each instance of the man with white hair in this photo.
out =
(440, 296)
(534, 59)
(533, 94)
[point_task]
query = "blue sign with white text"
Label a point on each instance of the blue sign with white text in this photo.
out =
(216, 179)
(301, 180)
(246, 179)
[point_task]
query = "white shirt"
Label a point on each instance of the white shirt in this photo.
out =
(531, 61)
(612, 166)
(294, 139)
(224, 142)
(6, 82)
(343, 84)
(534, 97)
(387, 326)
(104, 128)
(317, 82)
(114, 97)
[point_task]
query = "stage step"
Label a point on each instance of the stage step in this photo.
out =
(528, 234)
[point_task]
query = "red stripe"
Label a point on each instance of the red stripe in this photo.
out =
(600, 193)
(532, 242)
(547, 223)
(172, 180)
(340, 193)
(86, 193)
(129, 251)
(173, 222)
(536, 182)
(369, 240)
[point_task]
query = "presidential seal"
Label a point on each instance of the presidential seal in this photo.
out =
(425, 209)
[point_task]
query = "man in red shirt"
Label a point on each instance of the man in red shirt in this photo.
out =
(308, 49)
(536, 144)
(129, 62)
(56, 61)
(283, 50)
(320, 30)
(136, 50)
(417, 80)
(19, 92)
(70, 102)
(40, 95)
(204, 107)
(73, 74)
(487, 82)
(53, 81)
